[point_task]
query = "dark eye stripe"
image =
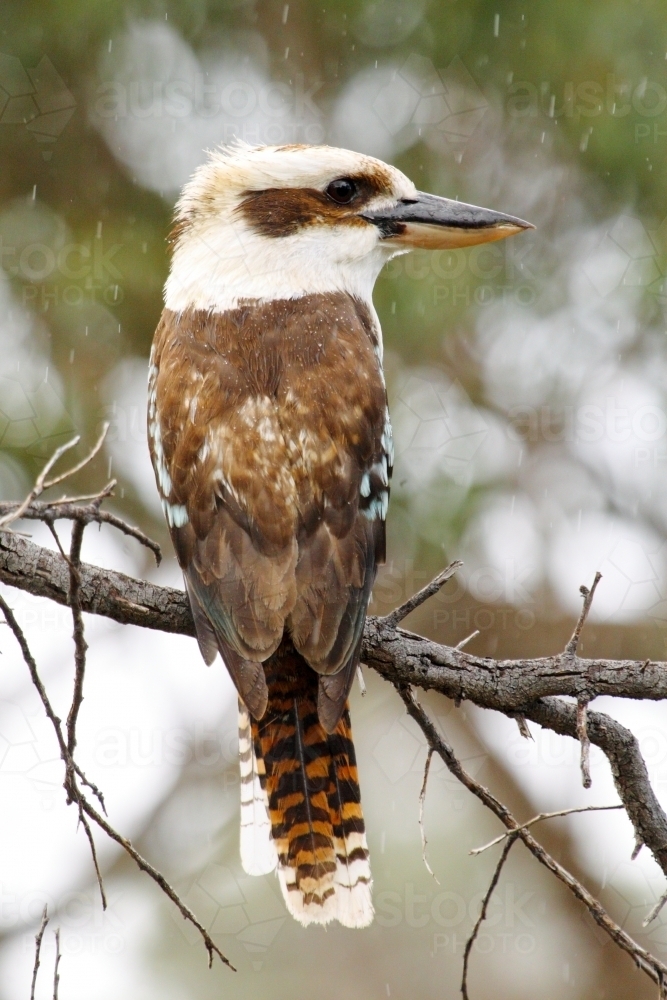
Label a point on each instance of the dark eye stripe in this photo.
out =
(284, 211)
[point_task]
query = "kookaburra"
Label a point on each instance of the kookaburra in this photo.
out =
(272, 448)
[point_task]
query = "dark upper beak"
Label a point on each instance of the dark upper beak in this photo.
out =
(434, 223)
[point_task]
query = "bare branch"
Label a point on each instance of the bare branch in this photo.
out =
(653, 913)
(647, 962)
(422, 595)
(56, 973)
(74, 794)
(93, 850)
(582, 736)
(628, 768)
(523, 726)
(66, 501)
(468, 638)
(482, 914)
(403, 658)
(158, 878)
(67, 509)
(56, 538)
(422, 799)
(38, 948)
(80, 644)
(41, 483)
(521, 689)
(90, 784)
(588, 596)
(80, 465)
(542, 816)
(44, 573)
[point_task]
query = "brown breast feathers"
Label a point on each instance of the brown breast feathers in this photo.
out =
(271, 447)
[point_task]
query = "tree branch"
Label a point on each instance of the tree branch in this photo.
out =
(514, 687)
(652, 966)
(524, 689)
(88, 811)
(38, 950)
(412, 603)
(511, 839)
(399, 656)
(42, 483)
(543, 816)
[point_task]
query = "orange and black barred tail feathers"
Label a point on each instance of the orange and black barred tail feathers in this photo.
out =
(312, 793)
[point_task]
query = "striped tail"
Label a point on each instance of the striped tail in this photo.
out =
(300, 800)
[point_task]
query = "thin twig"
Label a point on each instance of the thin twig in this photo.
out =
(93, 850)
(56, 974)
(655, 910)
(42, 483)
(396, 616)
(649, 964)
(468, 638)
(38, 948)
(70, 509)
(52, 528)
(422, 799)
(90, 784)
(523, 726)
(80, 644)
(39, 486)
(588, 596)
(582, 735)
(159, 878)
(542, 816)
(482, 914)
(84, 461)
(106, 491)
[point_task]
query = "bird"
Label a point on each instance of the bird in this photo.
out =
(271, 442)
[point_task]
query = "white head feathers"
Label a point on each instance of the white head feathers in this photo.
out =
(223, 254)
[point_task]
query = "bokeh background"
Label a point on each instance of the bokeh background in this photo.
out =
(527, 383)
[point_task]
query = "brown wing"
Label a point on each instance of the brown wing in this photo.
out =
(268, 438)
(341, 467)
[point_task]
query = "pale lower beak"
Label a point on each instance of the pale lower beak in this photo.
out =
(432, 223)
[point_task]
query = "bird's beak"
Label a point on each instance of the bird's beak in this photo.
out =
(432, 223)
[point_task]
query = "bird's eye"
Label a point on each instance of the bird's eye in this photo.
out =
(342, 191)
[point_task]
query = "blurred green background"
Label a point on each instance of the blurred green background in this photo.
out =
(527, 387)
